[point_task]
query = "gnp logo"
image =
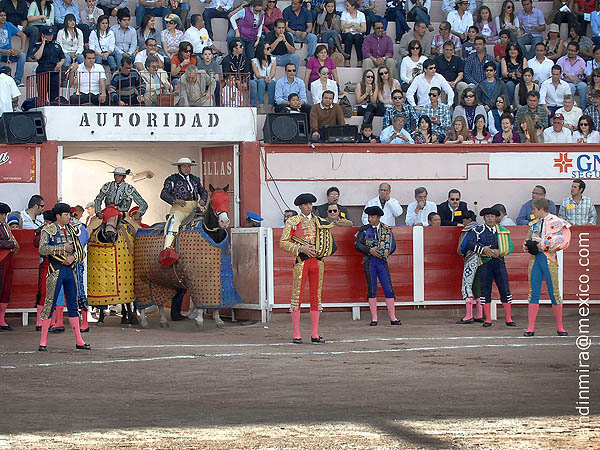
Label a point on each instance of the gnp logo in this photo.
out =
(584, 165)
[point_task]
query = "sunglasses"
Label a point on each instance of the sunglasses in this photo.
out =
(383, 73)
(596, 75)
(455, 199)
(489, 70)
(369, 76)
(172, 23)
(584, 124)
(509, 7)
(416, 48)
(332, 210)
(291, 70)
(187, 50)
(267, 48)
(378, 28)
(431, 68)
(397, 98)
(433, 94)
(469, 96)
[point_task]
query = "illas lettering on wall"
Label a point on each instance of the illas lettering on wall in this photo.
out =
(212, 168)
(149, 120)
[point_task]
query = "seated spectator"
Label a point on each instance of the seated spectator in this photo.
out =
(525, 86)
(507, 135)
(125, 36)
(423, 134)
(562, 12)
(526, 212)
(469, 108)
(438, 41)
(394, 12)
(555, 46)
(418, 33)
(508, 20)
(469, 218)
(325, 113)
(89, 80)
(289, 213)
(512, 67)
(198, 36)
(236, 61)
(557, 133)
(533, 25)
(570, 112)
(383, 94)
(378, 49)
(503, 219)
(586, 131)
(333, 198)
(182, 60)
(490, 88)
(586, 46)
(366, 135)
(293, 106)
(452, 211)
(468, 47)
(125, 85)
(196, 88)
(50, 58)
(102, 42)
(70, 39)
(298, 22)
(7, 52)
(171, 37)
(264, 68)
(419, 10)
(61, 9)
(147, 31)
(16, 15)
(365, 92)
(333, 217)
(150, 8)
(480, 134)
(573, 72)
(216, 9)
(395, 133)
(578, 209)
(210, 65)
(40, 15)
(458, 132)
(529, 133)
(282, 45)
(474, 70)
(111, 7)
(391, 206)
(354, 25)
(423, 83)
(272, 13)
(155, 81)
(90, 14)
(486, 25)
(460, 19)
(321, 58)
(439, 113)
(595, 23)
(151, 49)
(328, 29)
(418, 211)
(494, 115)
(247, 24)
(13, 221)
(288, 85)
(534, 110)
(411, 65)
(553, 90)
(594, 110)
(593, 86)
(500, 46)
(434, 219)
(541, 66)
(368, 9)
(452, 68)
(322, 84)
(399, 106)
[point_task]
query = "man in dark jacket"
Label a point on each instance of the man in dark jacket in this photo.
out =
(452, 211)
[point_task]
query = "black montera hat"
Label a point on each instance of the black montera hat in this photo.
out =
(486, 211)
(305, 198)
(374, 211)
(4, 208)
(60, 208)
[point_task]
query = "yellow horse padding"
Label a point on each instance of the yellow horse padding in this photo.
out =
(110, 270)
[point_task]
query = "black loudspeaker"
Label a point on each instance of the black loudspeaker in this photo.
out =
(286, 129)
(22, 128)
(339, 133)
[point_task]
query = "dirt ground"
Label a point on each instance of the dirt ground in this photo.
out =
(428, 384)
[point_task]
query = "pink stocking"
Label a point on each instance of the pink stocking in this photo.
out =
(38, 320)
(469, 309)
(314, 318)
(533, 311)
(296, 324)
(373, 308)
(45, 328)
(84, 319)
(74, 321)
(479, 309)
(389, 303)
(557, 310)
(60, 312)
(507, 316)
(3, 307)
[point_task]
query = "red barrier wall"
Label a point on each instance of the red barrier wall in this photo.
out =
(26, 262)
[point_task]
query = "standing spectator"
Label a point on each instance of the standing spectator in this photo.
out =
(147, 31)
(333, 198)
(290, 84)
(155, 81)
(7, 52)
(585, 132)
(570, 112)
(391, 206)
(272, 13)
(494, 115)
(486, 24)
(16, 14)
(152, 8)
(500, 46)
(354, 25)
(526, 212)
(508, 20)
(480, 133)
(125, 86)
(503, 218)
(89, 80)
(412, 64)
(197, 35)
(423, 133)
(553, 90)
(102, 42)
(490, 88)
(171, 37)
(440, 114)
(9, 92)
(320, 59)
(50, 58)
(396, 133)
(328, 29)
(452, 211)
(438, 41)
(282, 45)
(452, 68)
(298, 22)
(474, 70)
(469, 108)
(32, 216)
(573, 72)
(264, 68)
(322, 84)
(70, 39)
(422, 85)
(555, 46)
(399, 106)
(216, 9)
(111, 7)
(541, 66)
(325, 113)
(533, 109)
(577, 208)
(512, 67)
(247, 25)
(394, 12)
(417, 211)
(460, 19)
(458, 133)
(64, 7)
(378, 49)
(507, 135)
(557, 134)
(525, 87)
(419, 33)
(125, 36)
(196, 88)
(533, 25)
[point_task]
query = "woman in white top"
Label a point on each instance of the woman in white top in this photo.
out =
(460, 19)
(507, 19)
(322, 84)
(354, 26)
(263, 66)
(412, 64)
(70, 39)
(585, 133)
(102, 41)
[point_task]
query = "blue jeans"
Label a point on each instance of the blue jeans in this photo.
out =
(420, 15)
(213, 13)
(510, 90)
(529, 39)
(141, 11)
(289, 58)
(311, 39)
(580, 88)
(112, 63)
(20, 60)
(257, 92)
(248, 45)
(399, 16)
(69, 60)
(329, 37)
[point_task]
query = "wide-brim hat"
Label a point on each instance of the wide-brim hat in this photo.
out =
(121, 171)
(486, 211)
(374, 211)
(89, 205)
(553, 28)
(182, 161)
(173, 18)
(302, 199)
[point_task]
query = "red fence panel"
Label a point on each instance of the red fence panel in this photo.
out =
(26, 262)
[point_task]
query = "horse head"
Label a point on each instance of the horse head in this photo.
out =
(219, 204)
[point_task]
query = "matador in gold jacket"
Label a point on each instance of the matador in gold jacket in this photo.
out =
(309, 239)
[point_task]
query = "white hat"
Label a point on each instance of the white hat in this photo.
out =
(181, 161)
(121, 171)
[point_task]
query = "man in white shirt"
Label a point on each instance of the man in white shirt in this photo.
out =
(418, 211)
(570, 112)
(422, 84)
(557, 133)
(89, 79)
(32, 216)
(198, 36)
(553, 91)
(151, 50)
(395, 133)
(503, 218)
(541, 66)
(391, 207)
(9, 92)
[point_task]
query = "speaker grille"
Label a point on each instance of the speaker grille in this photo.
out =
(22, 128)
(284, 128)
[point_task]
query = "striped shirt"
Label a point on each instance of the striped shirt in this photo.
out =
(582, 213)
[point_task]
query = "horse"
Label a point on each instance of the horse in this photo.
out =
(203, 266)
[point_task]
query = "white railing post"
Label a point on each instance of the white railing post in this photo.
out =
(418, 265)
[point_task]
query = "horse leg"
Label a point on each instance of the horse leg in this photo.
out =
(163, 317)
(218, 322)
(143, 320)
(132, 315)
(199, 318)
(123, 314)
(100, 322)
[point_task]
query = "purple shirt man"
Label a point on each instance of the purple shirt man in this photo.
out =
(378, 50)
